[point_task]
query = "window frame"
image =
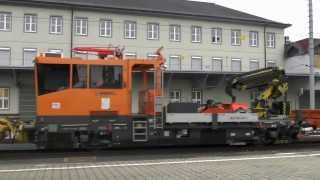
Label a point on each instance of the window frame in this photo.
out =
(67, 79)
(24, 50)
(271, 62)
(271, 43)
(254, 61)
(7, 15)
(234, 39)
(155, 34)
(81, 20)
(7, 49)
(30, 23)
(55, 25)
(215, 31)
(195, 34)
(175, 91)
(130, 31)
(198, 101)
(176, 32)
(198, 58)
(105, 21)
(4, 98)
(238, 60)
(133, 55)
(217, 59)
(55, 50)
(252, 39)
(87, 74)
(175, 56)
(96, 65)
(152, 56)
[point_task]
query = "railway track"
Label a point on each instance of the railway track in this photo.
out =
(155, 153)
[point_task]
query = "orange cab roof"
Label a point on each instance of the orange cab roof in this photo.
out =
(58, 60)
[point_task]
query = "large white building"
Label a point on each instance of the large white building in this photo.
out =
(204, 43)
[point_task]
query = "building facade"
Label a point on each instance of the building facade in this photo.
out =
(203, 43)
(297, 66)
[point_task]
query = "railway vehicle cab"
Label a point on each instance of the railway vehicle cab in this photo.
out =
(101, 103)
(81, 102)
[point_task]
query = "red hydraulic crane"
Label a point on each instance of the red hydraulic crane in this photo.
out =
(101, 52)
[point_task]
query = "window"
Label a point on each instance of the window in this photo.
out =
(196, 34)
(175, 63)
(79, 77)
(235, 37)
(30, 23)
(254, 65)
(130, 30)
(56, 24)
(130, 55)
(271, 64)
(236, 65)
(217, 64)
(254, 95)
(271, 40)
(81, 26)
(80, 55)
(105, 28)
(216, 35)
(153, 31)
(152, 56)
(4, 98)
(253, 38)
(28, 56)
(196, 63)
(58, 51)
(106, 77)
(175, 96)
(175, 33)
(5, 56)
(196, 96)
(53, 77)
(5, 21)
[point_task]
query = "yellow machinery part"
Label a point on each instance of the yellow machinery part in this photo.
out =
(275, 90)
(12, 131)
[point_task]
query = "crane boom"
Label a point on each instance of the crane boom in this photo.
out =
(272, 84)
(254, 79)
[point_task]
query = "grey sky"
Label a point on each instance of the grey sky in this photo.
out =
(294, 12)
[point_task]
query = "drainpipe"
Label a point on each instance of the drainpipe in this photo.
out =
(71, 32)
(265, 45)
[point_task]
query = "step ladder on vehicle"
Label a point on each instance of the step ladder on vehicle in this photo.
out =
(140, 131)
(158, 115)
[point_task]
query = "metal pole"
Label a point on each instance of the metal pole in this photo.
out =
(311, 56)
(265, 46)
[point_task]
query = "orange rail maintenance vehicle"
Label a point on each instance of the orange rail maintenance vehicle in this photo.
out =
(88, 104)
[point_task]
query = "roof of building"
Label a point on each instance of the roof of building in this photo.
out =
(179, 8)
(300, 47)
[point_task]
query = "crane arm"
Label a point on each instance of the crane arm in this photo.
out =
(254, 79)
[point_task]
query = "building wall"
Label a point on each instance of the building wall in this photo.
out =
(301, 64)
(206, 49)
(7, 81)
(42, 40)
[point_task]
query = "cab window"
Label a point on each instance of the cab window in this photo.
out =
(52, 77)
(106, 77)
(79, 77)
